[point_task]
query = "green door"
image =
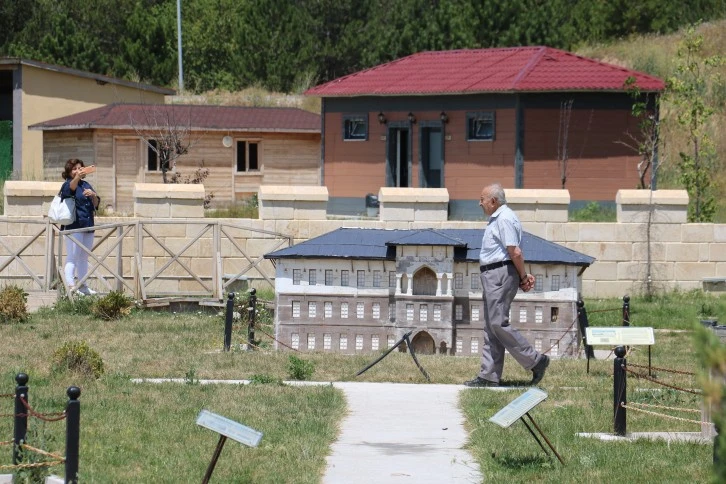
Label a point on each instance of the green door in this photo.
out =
(6, 149)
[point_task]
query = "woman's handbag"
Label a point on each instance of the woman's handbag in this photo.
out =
(62, 210)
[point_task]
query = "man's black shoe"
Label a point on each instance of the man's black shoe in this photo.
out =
(539, 369)
(480, 382)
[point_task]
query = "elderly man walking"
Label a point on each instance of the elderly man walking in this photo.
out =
(502, 274)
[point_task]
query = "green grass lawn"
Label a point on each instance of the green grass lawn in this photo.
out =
(147, 432)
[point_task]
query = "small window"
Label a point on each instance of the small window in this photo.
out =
(391, 312)
(555, 283)
(343, 342)
(538, 313)
(390, 341)
(554, 314)
(312, 277)
(376, 310)
(523, 314)
(392, 279)
(376, 278)
(344, 310)
(459, 345)
(474, 346)
(361, 279)
(312, 309)
(327, 341)
(296, 276)
(328, 309)
(328, 277)
(555, 347)
(459, 312)
(538, 283)
(480, 126)
(423, 312)
(355, 127)
(409, 312)
(296, 309)
(437, 312)
(538, 345)
(344, 278)
(152, 155)
(374, 342)
(359, 310)
(475, 281)
(358, 342)
(311, 341)
(475, 312)
(458, 280)
(295, 341)
(247, 156)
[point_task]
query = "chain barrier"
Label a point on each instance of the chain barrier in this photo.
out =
(43, 452)
(680, 372)
(681, 419)
(675, 409)
(557, 343)
(603, 310)
(21, 415)
(30, 466)
(653, 380)
(7, 395)
(7, 442)
(46, 417)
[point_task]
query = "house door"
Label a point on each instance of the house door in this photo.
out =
(432, 158)
(398, 156)
(127, 167)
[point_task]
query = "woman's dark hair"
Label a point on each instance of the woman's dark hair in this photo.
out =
(70, 164)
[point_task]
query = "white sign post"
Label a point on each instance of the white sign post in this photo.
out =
(226, 428)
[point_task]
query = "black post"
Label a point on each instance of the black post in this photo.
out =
(252, 315)
(228, 321)
(626, 310)
(73, 433)
(584, 324)
(21, 416)
(619, 391)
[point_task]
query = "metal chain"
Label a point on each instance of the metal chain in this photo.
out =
(699, 422)
(7, 442)
(22, 415)
(7, 395)
(680, 372)
(646, 377)
(563, 335)
(675, 409)
(47, 417)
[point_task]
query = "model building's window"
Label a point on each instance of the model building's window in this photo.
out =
(344, 310)
(327, 341)
(423, 312)
(538, 314)
(480, 126)
(555, 283)
(328, 309)
(355, 127)
(392, 279)
(538, 283)
(538, 344)
(392, 312)
(358, 342)
(374, 342)
(437, 312)
(152, 155)
(409, 312)
(344, 278)
(458, 280)
(295, 341)
(296, 276)
(474, 346)
(554, 314)
(343, 343)
(359, 310)
(555, 347)
(459, 345)
(312, 277)
(247, 156)
(312, 309)
(475, 281)
(311, 341)
(328, 277)
(390, 341)
(361, 278)
(459, 312)
(523, 314)
(376, 278)
(475, 312)
(376, 311)
(296, 309)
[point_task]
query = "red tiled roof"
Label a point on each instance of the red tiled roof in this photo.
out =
(516, 69)
(228, 118)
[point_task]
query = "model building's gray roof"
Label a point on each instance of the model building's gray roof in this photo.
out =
(352, 243)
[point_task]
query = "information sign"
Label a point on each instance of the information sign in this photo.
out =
(518, 407)
(229, 428)
(620, 335)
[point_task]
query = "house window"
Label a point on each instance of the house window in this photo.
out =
(311, 341)
(554, 314)
(312, 309)
(355, 127)
(423, 312)
(538, 314)
(555, 350)
(247, 156)
(459, 345)
(391, 312)
(376, 278)
(475, 281)
(555, 283)
(523, 314)
(358, 342)
(312, 277)
(361, 278)
(296, 276)
(374, 342)
(538, 283)
(152, 155)
(359, 310)
(390, 341)
(458, 280)
(328, 277)
(475, 312)
(474, 346)
(296, 309)
(392, 279)
(328, 309)
(327, 341)
(409, 312)
(459, 312)
(480, 126)
(437, 312)
(343, 343)
(344, 310)
(376, 311)
(344, 278)
(295, 341)
(538, 345)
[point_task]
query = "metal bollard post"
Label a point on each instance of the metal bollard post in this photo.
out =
(228, 321)
(626, 310)
(20, 429)
(252, 315)
(619, 391)
(584, 324)
(73, 433)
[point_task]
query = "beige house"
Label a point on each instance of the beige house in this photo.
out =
(242, 147)
(31, 92)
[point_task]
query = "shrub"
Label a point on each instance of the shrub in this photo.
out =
(13, 307)
(79, 305)
(263, 379)
(114, 305)
(300, 369)
(78, 357)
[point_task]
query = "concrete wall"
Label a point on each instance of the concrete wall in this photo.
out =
(682, 254)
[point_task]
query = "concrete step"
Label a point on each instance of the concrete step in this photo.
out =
(39, 299)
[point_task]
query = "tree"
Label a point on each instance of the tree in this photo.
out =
(646, 109)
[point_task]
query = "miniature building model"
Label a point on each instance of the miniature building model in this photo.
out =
(359, 290)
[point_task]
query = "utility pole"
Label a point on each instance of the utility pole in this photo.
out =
(179, 45)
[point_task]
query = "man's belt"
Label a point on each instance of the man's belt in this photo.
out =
(495, 265)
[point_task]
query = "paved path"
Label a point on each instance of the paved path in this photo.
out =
(401, 433)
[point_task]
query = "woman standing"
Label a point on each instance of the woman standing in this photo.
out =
(86, 204)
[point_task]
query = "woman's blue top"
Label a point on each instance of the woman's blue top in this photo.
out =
(84, 205)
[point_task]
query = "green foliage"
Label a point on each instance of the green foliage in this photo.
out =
(300, 369)
(13, 308)
(262, 379)
(78, 305)
(190, 377)
(247, 208)
(593, 212)
(114, 305)
(78, 357)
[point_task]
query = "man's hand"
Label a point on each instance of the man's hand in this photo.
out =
(527, 283)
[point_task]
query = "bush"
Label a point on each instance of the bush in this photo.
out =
(78, 305)
(114, 305)
(300, 369)
(78, 357)
(263, 379)
(13, 307)
(593, 212)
